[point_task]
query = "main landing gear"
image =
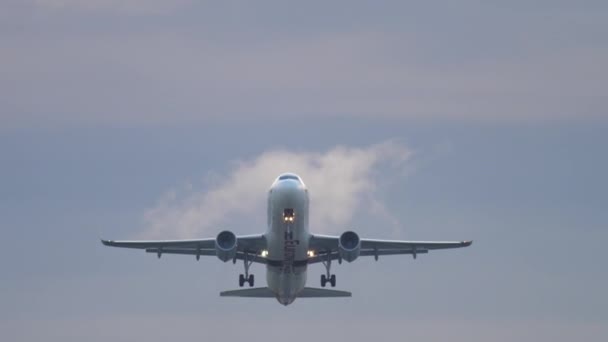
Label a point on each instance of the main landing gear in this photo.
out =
(331, 280)
(328, 277)
(246, 278)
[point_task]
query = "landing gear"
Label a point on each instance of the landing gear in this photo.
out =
(246, 278)
(328, 277)
(331, 280)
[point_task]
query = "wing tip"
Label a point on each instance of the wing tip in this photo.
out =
(107, 242)
(467, 243)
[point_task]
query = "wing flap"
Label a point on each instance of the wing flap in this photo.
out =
(186, 251)
(251, 256)
(392, 252)
(418, 245)
(336, 255)
(143, 244)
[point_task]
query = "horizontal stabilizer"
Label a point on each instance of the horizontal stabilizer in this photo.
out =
(264, 292)
(258, 292)
(311, 292)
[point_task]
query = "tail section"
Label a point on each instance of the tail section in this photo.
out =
(264, 292)
(311, 292)
(258, 292)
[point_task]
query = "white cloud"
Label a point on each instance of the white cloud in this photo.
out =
(342, 181)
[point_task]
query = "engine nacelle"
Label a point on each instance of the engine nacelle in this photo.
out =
(225, 245)
(349, 246)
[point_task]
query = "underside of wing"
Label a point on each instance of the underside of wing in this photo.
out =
(398, 244)
(247, 246)
(327, 247)
(144, 244)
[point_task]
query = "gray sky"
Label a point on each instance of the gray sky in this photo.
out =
(483, 121)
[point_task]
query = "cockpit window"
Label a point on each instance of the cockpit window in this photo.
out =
(289, 177)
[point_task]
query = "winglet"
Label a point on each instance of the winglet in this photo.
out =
(466, 243)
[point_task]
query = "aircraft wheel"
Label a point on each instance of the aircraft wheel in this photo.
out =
(332, 280)
(241, 280)
(250, 280)
(323, 280)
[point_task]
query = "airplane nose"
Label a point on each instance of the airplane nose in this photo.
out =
(286, 188)
(288, 191)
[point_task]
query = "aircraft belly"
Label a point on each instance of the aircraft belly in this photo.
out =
(287, 244)
(286, 286)
(286, 266)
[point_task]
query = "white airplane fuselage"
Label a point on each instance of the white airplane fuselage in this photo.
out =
(287, 238)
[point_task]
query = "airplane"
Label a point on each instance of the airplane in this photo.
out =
(287, 247)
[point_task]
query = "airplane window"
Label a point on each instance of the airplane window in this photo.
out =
(289, 177)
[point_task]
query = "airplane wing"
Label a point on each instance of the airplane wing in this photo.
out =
(327, 246)
(246, 244)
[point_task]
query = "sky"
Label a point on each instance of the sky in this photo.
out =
(127, 119)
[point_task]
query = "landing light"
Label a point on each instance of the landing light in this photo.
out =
(264, 253)
(311, 254)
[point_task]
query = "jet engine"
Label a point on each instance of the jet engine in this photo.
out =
(349, 246)
(225, 245)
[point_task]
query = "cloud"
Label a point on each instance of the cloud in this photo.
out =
(342, 181)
